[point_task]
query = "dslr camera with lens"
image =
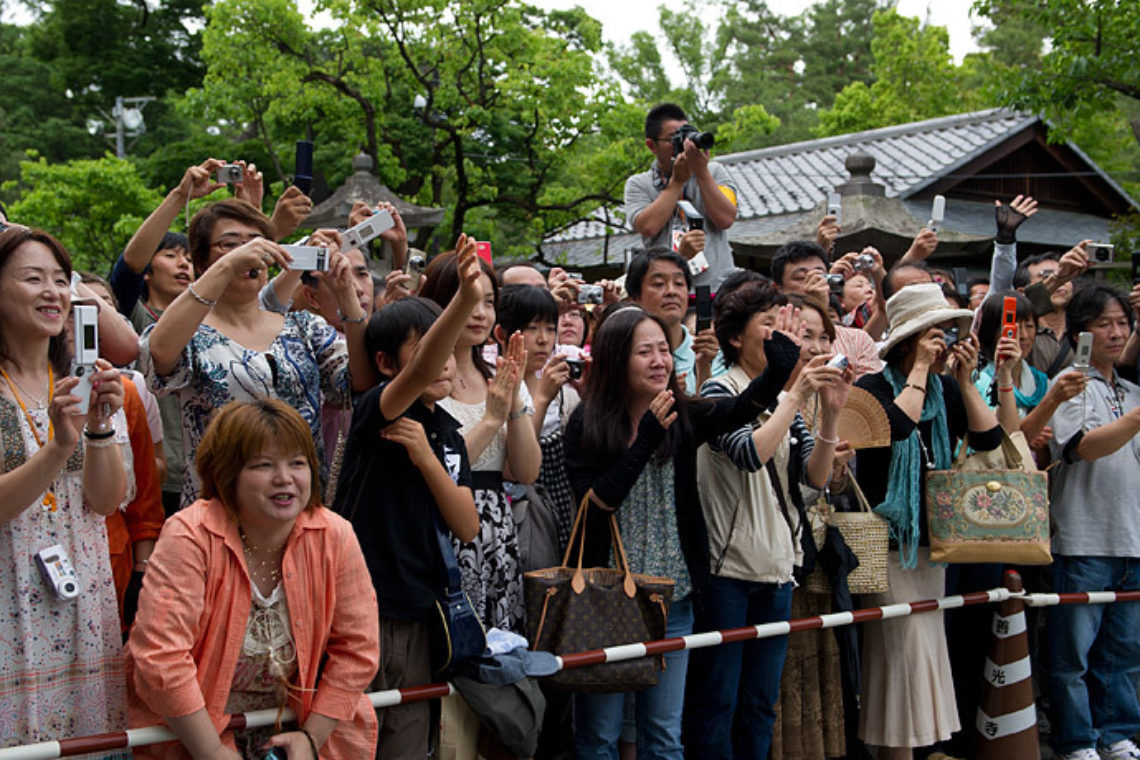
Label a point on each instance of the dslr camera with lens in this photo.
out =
(703, 140)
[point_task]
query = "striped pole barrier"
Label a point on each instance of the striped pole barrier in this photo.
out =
(1007, 716)
(138, 737)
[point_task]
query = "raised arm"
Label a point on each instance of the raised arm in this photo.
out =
(196, 183)
(438, 343)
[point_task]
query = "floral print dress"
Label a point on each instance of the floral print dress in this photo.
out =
(61, 663)
(308, 358)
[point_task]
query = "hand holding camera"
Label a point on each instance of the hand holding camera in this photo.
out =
(291, 209)
(199, 181)
(963, 359)
(253, 257)
(1073, 263)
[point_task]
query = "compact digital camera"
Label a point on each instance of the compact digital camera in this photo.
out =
(590, 294)
(230, 174)
(835, 283)
(1100, 253)
(368, 230)
(85, 333)
(864, 262)
(57, 571)
(839, 361)
(308, 258)
(576, 366)
(950, 337)
(414, 268)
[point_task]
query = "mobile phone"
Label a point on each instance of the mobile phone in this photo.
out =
(835, 207)
(1009, 317)
(937, 213)
(1135, 267)
(86, 336)
(371, 228)
(308, 258)
(1084, 352)
(692, 217)
(303, 166)
(704, 308)
(483, 251)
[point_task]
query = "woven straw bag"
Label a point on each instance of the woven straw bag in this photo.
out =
(865, 533)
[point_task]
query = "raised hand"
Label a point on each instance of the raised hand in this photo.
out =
(254, 256)
(662, 408)
(66, 419)
(106, 395)
(291, 209)
(964, 358)
(198, 181)
(251, 189)
(788, 322)
(1010, 217)
(925, 242)
(467, 264)
(827, 232)
(501, 391)
(1068, 385)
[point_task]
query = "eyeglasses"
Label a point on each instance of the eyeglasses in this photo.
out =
(1046, 273)
(230, 242)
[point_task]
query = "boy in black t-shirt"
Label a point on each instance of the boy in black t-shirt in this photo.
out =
(405, 458)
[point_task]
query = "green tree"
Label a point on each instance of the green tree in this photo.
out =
(478, 106)
(914, 79)
(92, 205)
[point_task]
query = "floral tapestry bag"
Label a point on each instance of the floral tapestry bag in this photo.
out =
(992, 507)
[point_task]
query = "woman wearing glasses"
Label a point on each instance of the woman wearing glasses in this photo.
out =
(215, 343)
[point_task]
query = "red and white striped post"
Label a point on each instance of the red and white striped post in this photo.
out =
(1007, 715)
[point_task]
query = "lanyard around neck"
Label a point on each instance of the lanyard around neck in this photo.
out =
(49, 501)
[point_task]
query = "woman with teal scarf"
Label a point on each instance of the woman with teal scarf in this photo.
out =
(908, 693)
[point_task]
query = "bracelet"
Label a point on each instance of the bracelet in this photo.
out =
(359, 320)
(204, 301)
(1006, 390)
(819, 437)
(312, 741)
(102, 443)
(97, 436)
(916, 387)
(520, 413)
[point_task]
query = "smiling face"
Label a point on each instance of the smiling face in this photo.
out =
(482, 318)
(750, 343)
(273, 488)
(650, 361)
(664, 292)
(35, 292)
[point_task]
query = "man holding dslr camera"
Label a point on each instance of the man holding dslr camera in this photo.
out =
(682, 172)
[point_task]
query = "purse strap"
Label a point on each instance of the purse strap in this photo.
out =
(578, 532)
(1013, 459)
(777, 486)
(443, 536)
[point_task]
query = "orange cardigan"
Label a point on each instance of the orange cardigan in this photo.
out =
(192, 618)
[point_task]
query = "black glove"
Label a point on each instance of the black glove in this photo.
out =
(782, 354)
(1008, 220)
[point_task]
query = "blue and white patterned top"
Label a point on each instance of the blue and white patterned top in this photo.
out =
(307, 358)
(648, 522)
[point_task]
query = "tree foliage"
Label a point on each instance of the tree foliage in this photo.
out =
(92, 205)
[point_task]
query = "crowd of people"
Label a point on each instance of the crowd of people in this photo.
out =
(247, 511)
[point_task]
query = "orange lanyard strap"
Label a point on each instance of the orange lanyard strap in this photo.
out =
(49, 495)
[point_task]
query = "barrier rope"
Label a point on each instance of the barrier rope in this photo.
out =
(138, 737)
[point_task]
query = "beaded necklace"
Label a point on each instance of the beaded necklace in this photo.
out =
(49, 502)
(270, 565)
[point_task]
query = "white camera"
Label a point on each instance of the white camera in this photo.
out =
(57, 571)
(308, 257)
(368, 230)
(835, 207)
(86, 337)
(937, 213)
(414, 268)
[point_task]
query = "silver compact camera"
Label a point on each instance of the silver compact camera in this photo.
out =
(86, 336)
(864, 262)
(58, 573)
(839, 361)
(368, 230)
(590, 294)
(230, 174)
(1100, 253)
(835, 283)
(309, 258)
(414, 269)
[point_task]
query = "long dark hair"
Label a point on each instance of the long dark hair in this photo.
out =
(990, 317)
(10, 240)
(606, 424)
(441, 283)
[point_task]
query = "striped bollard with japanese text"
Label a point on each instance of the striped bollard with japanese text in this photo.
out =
(1007, 715)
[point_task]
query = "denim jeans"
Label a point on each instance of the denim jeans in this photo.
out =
(1094, 655)
(598, 717)
(752, 669)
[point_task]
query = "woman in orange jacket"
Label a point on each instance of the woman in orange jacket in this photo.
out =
(246, 591)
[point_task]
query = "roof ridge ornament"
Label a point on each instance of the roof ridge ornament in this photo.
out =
(860, 165)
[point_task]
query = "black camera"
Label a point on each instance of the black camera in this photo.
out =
(576, 367)
(703, 140)
(835, 283)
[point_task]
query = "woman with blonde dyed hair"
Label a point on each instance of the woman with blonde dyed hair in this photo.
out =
(246, 591)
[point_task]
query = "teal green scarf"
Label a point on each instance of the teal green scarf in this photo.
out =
(905, 480)
(985, 386)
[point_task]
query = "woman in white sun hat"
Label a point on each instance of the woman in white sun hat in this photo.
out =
(908, 692)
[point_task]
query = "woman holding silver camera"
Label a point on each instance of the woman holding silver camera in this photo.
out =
(256, 597)
(61, 672)
(215, 343)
